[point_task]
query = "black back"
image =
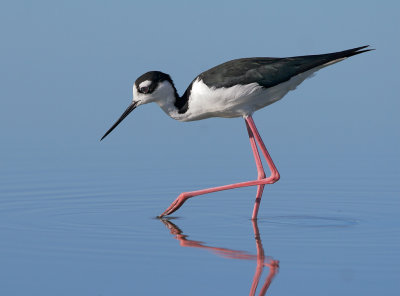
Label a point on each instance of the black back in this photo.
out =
(268, 72)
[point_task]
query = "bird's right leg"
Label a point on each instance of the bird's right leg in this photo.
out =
(260, 171)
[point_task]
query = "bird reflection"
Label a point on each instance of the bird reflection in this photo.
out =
(260, 258)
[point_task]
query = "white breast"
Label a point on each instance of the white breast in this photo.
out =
(207, 101)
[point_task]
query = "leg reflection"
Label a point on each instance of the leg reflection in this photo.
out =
(261, 259)
(261, 262)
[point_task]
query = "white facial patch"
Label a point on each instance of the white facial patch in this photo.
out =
(145, 83)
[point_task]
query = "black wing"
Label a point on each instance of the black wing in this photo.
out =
(269, 72)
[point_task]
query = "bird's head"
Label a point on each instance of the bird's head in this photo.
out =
(153, 86)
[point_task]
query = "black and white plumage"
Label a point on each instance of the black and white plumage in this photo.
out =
(233, 89)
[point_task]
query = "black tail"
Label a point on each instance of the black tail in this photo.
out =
(349, 52)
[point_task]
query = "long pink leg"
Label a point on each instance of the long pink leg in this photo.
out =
(270, 180)
(274, 172)
(260, 171)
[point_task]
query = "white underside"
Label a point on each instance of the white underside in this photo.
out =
(235, 101)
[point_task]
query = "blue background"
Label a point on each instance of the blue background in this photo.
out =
(67, 69)
(66, 72)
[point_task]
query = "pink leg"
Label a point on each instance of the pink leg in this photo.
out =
(260, 171)
(270, 180)
(274, 172)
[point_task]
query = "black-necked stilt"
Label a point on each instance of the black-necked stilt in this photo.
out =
(236, 88)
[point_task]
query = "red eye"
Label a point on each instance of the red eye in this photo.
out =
(144, 89)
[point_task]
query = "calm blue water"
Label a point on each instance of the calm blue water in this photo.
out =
(90, 229)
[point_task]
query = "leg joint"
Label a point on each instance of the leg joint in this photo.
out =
(275, 176)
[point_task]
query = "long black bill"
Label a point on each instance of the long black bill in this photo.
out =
(125, 114)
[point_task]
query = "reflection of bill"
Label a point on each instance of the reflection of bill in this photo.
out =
(261, 259)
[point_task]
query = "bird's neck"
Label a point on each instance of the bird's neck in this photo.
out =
(172, 104)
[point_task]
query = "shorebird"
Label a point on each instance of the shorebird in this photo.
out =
(236, 88)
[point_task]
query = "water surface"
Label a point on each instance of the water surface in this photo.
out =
(88, 230)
